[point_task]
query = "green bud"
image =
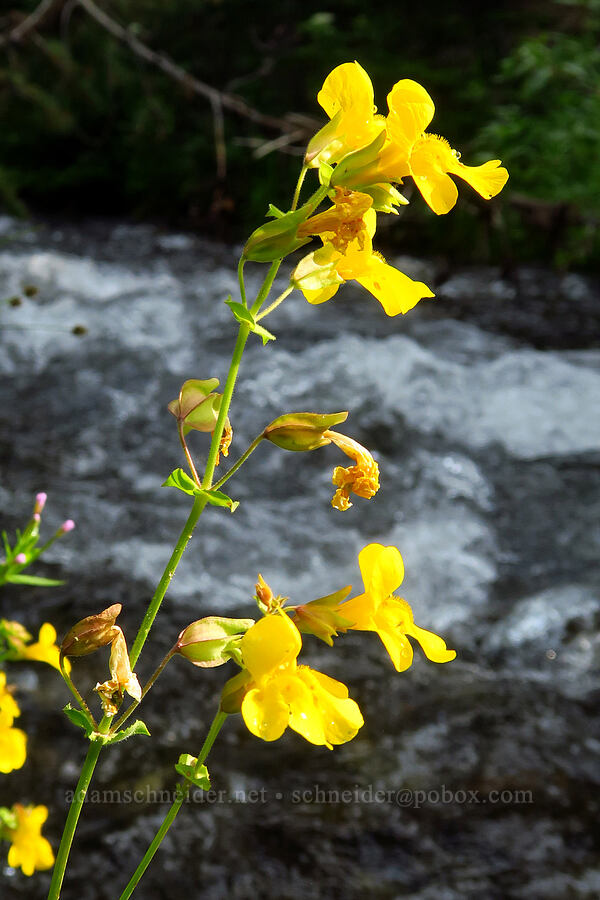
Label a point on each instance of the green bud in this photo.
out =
(211, 641)
(302, 431)
(359, 167)
(234, 691)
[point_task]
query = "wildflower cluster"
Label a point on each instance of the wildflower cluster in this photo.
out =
(361, 159)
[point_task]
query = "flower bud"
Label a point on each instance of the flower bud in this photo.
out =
(91, 633)
(20, 559)
(40, 502)
(67, 526)
(302, 431)
(211, 641)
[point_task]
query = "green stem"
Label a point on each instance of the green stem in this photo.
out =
(71, 824)
(242, 284)
(182, 794)
(75, 692)
(276, 302)
(163, 584)
(266, 286)
(299, 184)
(239, 463)
(188, 455)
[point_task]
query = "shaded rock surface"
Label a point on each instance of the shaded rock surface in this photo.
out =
(474, 779)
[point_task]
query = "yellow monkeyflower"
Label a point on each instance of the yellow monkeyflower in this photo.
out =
(13, 744)
(347, 98)
(45, 648)
(280, 693)
(361, 479)
(391, 617)
(405, 149)
(429, 158)
(346, 230)
(29, 849)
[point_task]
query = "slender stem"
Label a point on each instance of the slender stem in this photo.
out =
(240, 462)
(266, 286)
(276, 302)
(236, 359)
(299, 184)
(75, 692)
(242, 284)
(163, 584)
(71, 824)
(147, 687)
(188, 455)
(182, 794)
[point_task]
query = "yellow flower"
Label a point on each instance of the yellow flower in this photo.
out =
(281, 693)
(13, 741)
(347, 98)
(29, 849)
(429, 158)
(45, 648)
(8, 704)
(361, 479)
(346, 230)
(391, 617)
(13, 744)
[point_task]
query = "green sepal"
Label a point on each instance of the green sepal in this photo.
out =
(79, 718)
(358, 167)
(33, 579)
(274, 212)
(182, 481)
(187, 767)
(278, 238)
(245, 317)
(138, 727)
(302, 431)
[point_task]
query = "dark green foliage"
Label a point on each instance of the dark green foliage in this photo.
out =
(89, 128)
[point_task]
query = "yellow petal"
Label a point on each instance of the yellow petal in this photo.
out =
(306, 718)
(347, 87)
(411, 111)
(339, 717)
(265, 711)
(382, 569)
(399, 649)
(487, 179)
(433, 646)
(359, 611)
(270, 644)
(396, 292)
(320, 296)
(13, 749)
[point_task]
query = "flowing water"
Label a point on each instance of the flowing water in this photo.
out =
(474, 779)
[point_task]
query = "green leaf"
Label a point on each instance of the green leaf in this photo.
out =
(79, 718)
(138, 727)
(179, 479)
(33, 579)
(182, 481)
(187, 767)
(7, 547)
(245, 317)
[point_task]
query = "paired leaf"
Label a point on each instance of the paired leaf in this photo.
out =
(33, 579)
(182, 481)
(245, 317)
(187, 767)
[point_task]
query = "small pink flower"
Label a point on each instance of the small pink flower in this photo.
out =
(40, 502)
(67, 526)
(20, 558)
